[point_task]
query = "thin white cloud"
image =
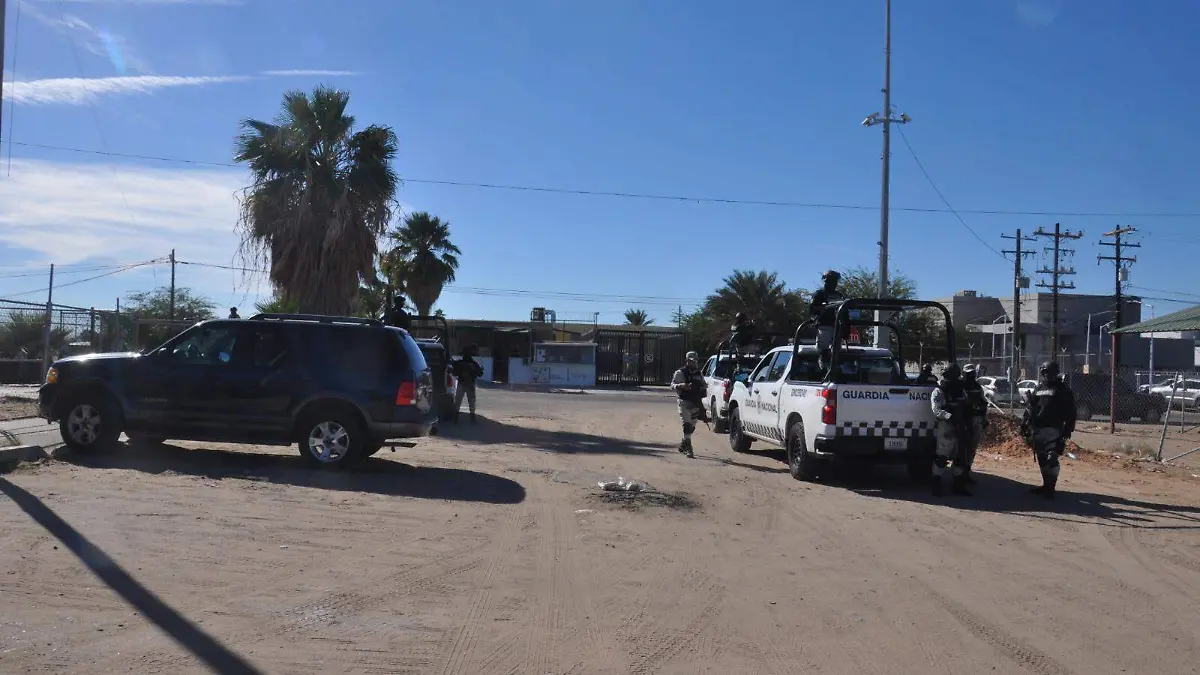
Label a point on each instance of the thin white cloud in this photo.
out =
(98, 41)
(69, 212)
(308, 73)
(81, 91)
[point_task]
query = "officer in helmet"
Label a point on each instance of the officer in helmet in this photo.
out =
(824, 306)
(742, 331)
(949, 402)
(926, 376)
(977, 406)
(688, 384)
(1049, 423)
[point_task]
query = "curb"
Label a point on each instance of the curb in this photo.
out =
(10, 457)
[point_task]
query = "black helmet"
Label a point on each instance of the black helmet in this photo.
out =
(739, 317)
(1049, 369)
(952, 372)
(831, 274)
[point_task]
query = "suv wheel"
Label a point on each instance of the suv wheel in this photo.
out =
(332, 439)
(738, 440)
(1082, 411)
(800, 461)
(90, 422)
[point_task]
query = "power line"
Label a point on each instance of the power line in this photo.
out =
(59, 271)
(1159, 290)
(126, 268)
(945, 201)
(657, 197)
(510, 292)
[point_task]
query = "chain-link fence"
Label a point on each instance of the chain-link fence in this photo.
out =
(25, 341)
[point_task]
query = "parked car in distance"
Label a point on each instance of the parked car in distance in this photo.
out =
(1145, 388)
(1184, 392)
(1023, 389)
(339, 387)
(1092, 398)
(996, 389)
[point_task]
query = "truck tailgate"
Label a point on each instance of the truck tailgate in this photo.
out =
(887, 411)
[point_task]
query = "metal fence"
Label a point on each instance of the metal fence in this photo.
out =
(634, 357)
(32, 333)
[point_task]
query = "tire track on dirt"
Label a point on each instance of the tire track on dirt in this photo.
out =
(1016, 650)
(462, 649)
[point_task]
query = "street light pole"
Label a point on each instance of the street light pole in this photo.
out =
(885, 118)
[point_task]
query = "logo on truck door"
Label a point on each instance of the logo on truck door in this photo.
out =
(875, 395)
(919, 395)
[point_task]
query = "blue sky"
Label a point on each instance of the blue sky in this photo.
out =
(1039, 105)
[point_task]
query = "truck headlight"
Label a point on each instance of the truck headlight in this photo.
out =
(51, 376)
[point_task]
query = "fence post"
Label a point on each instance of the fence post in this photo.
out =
(48, 328)
(92, 337)
(1167, 420)
(1112, 387)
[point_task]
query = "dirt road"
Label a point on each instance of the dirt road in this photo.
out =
(488, 551)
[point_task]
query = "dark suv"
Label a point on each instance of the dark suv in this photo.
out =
(340, 387)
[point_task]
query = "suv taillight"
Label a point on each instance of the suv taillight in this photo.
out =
(829, 412)
(728, 390)
(406, 394)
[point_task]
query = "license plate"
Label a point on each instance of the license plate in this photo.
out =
(895, 444)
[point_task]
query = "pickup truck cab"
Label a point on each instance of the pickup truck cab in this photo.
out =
(846, 402)
(719, 373)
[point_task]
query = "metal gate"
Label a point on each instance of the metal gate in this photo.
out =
(635, 357)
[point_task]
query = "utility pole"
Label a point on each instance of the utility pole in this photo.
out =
(1020, 282)
(885, 118)
(1118, 268)
(1056, 273)
(172, 312)
(3, 13)
(48, 327)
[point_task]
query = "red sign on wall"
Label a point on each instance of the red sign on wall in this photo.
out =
(854, 337)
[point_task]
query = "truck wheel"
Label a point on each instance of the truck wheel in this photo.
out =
(719, 426)
(800, 461)
(1152, 416)
(738, 440)
(90, 422)
(1083, 412)
(331, 438)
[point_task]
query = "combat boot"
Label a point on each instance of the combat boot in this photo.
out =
(1047, 488)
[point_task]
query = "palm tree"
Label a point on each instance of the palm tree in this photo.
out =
(322, 195)
(638, 317)
(762, 296)
(422, 259)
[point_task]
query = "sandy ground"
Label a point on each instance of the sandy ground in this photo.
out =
(489, 551)
(14, 409)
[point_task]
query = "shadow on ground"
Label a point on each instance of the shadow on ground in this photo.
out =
(376, 475)
(488, 431)
(203, 646)
(1004, 495)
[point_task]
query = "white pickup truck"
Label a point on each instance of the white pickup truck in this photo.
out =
(719, 371)
(861, 408)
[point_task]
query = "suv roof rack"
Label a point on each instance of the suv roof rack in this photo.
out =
(317, 318)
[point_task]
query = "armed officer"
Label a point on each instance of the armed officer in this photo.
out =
(926, 377)
(977, 408)
(742, 332)
(689, 386)
(1049, 423)
(824, 306)
(949, 402)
